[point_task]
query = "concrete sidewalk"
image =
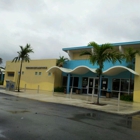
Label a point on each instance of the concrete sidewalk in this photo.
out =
(125, 108)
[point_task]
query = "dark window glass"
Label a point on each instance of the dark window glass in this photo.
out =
(84, 81)
(116, 84)
(75, 82)
(124, 84)
(64, 80)
(11, 74)
(71, 81)
(104, 84)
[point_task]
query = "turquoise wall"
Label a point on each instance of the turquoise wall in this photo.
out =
(71, 64)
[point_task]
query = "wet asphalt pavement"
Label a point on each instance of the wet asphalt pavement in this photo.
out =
(24, 119)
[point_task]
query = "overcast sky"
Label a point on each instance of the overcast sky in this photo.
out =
(50, 25)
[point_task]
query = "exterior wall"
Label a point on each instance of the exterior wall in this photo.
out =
(136, 97)
(29, 77)
(75, 63)
(58, 79)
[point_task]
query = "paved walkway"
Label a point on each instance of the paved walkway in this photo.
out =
(124, 108)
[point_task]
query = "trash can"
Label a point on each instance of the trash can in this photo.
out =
(77, 91)
(65, 90)
(108, 94)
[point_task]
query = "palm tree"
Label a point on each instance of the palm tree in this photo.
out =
(61, 61)
(0, 60)
(99, 55)
(23, 55)
(129, 56)
(0, 69)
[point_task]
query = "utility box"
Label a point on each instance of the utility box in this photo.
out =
(7, 85)
(10, 85)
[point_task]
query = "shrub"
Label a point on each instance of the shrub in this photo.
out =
(1, 82)
(59, 89)
(127, 98)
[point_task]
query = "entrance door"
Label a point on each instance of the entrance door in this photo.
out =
(92, 85)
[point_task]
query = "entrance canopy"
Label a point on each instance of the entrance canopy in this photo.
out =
(83, 69)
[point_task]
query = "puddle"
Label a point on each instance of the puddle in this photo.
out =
(11, 99)
(79, 117)
(134, 122)
(16, 112)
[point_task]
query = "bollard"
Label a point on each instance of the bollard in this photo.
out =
(119, 101)
(38, 89)
(25, 88)
(71, 93)
(92, 95)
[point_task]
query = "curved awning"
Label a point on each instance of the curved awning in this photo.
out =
(77, 70)
(118, 69)
(83, 69)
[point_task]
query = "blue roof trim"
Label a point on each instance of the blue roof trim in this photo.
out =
(77, 48)
(114, 44)
(126, 43)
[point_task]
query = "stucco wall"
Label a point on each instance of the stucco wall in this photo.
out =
(30, 78)
(137, 81)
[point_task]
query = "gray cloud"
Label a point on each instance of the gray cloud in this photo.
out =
(50, 25)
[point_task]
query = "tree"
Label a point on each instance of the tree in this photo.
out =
(99, 55)
(129, 56)
(0, 60)
(61, 61)
(23, 55)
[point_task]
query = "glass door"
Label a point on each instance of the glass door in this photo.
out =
(90, 85)
(96, 86)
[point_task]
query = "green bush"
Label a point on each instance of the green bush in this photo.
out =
(127, 98)
(59, 89)
(1, 82)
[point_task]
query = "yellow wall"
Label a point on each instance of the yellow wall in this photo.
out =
(32, 81)
(137, 81)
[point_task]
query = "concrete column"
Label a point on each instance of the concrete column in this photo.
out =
(68, 83)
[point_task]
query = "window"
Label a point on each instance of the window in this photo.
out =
(116, 84)
(64, 81)
(10, 74)
(104, 84)
(36, 73)
(49, 73)
(123, 85)
(39, 73)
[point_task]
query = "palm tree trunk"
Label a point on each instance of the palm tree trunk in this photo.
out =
(19, 76)
(99, 89)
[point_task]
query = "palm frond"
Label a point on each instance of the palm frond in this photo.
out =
(85, 53)
(0, 60)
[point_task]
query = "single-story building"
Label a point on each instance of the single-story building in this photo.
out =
(79, 73)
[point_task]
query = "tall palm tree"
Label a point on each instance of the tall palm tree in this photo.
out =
(99, 55)
(0, 60)
(23, 55)
(61, 61)
(0, 69)
(129, 56)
